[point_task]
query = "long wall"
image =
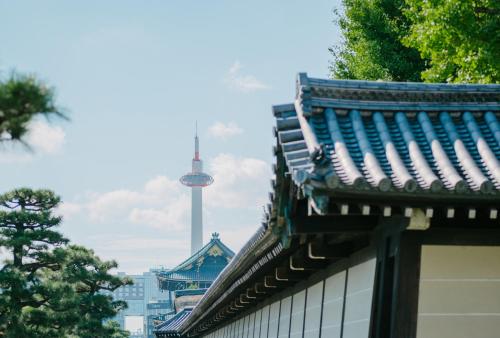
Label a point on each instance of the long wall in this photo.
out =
(337, 306)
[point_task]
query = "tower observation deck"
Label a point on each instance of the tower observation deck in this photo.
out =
(196, 180)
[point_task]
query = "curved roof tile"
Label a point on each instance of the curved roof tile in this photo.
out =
(397, 149)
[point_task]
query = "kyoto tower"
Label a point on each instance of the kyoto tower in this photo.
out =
(196, 179)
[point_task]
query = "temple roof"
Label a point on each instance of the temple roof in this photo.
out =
(169, 327)
(400, 139)
(204, 265)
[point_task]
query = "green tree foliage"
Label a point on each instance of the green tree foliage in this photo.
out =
(49, 288)
(372, 47)
(419, 40)
(90, 278)
(21, 99)
(461, 38)
(26, 232)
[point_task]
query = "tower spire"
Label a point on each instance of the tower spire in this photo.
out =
(196, 143)
(196, 180)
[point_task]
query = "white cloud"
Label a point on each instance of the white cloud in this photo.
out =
(42, 138)
(239, 182)
(112, 204)
(244, 83)
(172, 216)
(161, 185)
(68, 209)
(224, 131)
(161, 204)
(45, 138)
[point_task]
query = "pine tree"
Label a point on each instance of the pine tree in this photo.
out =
(92, 286)
(26, 233)
(22, 98)
(47, 287)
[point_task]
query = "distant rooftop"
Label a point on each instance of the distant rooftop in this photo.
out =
(201, 269)
(169, 327)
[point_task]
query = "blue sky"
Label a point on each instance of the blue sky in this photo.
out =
(134, 76)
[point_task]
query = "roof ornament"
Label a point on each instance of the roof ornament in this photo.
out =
(215, 235)
(318, 156)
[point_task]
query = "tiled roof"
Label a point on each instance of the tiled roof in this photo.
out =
(190, 292)
(337, 137)
(191, 275)
(169, 327)
(185, 270)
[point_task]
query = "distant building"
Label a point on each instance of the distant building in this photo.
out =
(199, 270)
(138, 296)
(156, 313)
(187, 282)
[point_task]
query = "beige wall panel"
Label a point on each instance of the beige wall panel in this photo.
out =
(251, 322)
(457, 296)
(448, 262)
(284, 325)
(274, 320)
(359, 296)
(264, 322)
(458, 326)
(297, 323)
(459, 292)
(252, 325)
(245, 327)
(313, 311)
(258, 319)
(236, 329)
(332, 305)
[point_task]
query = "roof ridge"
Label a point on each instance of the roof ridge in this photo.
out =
(394, 85)
(201, 252)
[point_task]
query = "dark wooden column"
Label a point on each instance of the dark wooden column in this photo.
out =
(406, 284)
(395, 299)
(384, 286)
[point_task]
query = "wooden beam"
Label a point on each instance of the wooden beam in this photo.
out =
(270, 282)
(465, 219)
(251, 294)
(321, 251)
(243, 299)
(260, 289)
(284, 274)
(299, 261)
(333, 224)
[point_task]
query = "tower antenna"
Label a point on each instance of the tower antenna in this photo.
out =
(196, 180)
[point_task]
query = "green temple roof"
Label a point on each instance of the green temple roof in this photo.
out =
(201, 269)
